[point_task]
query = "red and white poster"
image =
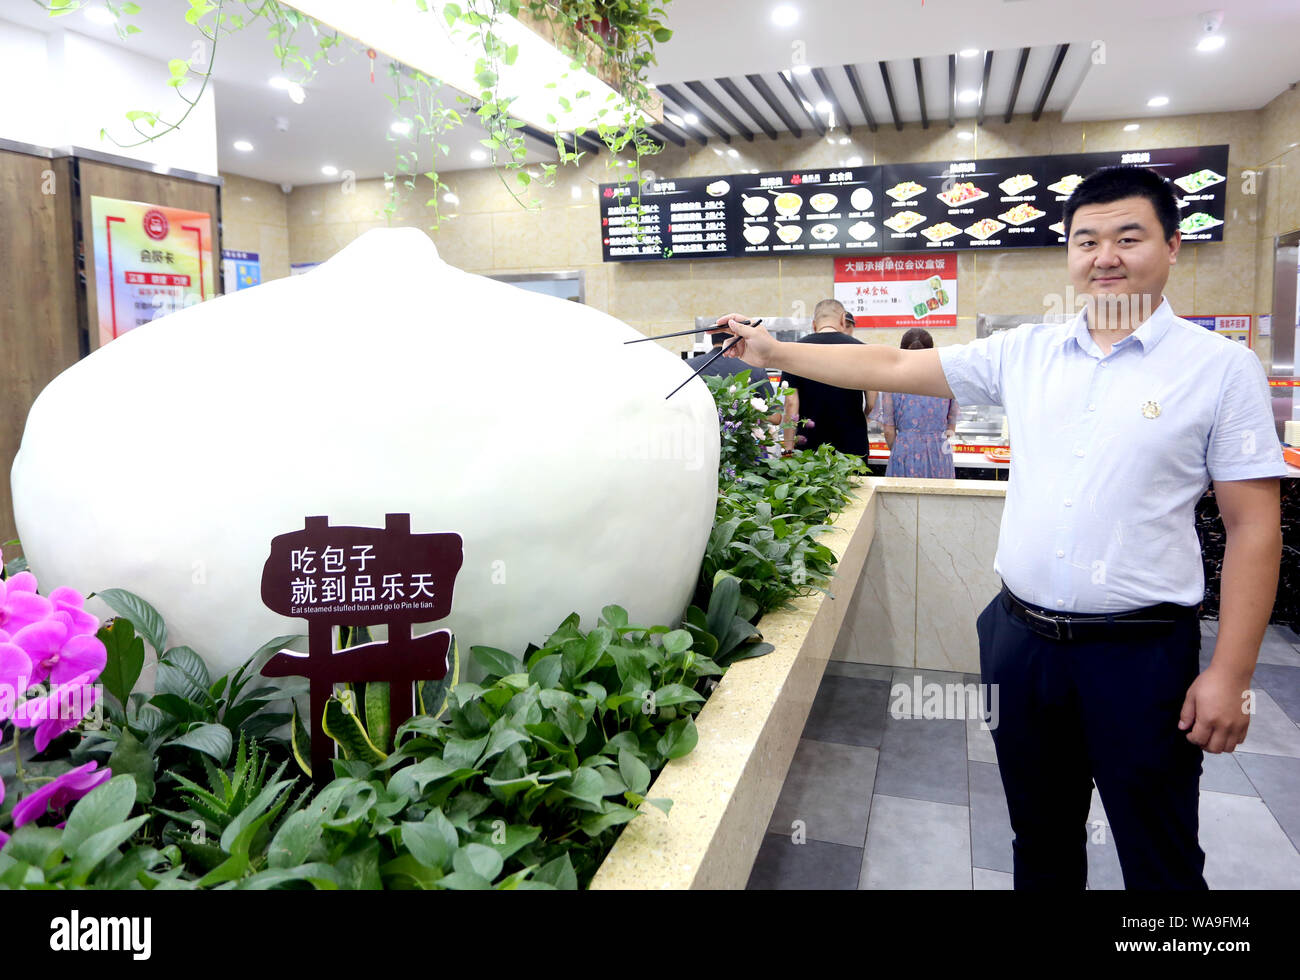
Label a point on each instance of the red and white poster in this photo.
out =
(899, 290)
(150, 260)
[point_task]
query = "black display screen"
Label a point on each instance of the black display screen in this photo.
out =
(1012, 202)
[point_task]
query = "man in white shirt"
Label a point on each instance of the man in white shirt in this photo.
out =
(1121, 419)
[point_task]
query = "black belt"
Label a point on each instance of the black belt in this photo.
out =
(1095, 626)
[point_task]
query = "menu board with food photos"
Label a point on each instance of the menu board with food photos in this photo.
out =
(807, 212)
(681, 218)
(1011, 202)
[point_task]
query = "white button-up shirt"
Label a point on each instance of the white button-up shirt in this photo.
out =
(1112, 452)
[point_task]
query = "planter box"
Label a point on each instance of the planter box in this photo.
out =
(724, 792)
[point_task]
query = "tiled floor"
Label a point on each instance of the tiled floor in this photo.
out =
(873, 801)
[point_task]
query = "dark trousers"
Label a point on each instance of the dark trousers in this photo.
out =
(1071, 712)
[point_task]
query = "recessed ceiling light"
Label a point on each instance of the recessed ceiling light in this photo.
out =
(968, 95)
(1131, 127)
(969, 52)
(296, 92)
(1158, 101)
(100, 15)
(329, 170)
(854, 161)
(691, 119)
(673, 118)
(243, 146)
(1211, 43)
(802, 69)
(575, 192)
(479, 155)
(401, 128)
(844, 141)
(733, 152)
(784, 15)
(823, 106)
(965, 134)
(451, 198)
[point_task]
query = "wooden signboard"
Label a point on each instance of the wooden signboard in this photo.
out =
(362, 576)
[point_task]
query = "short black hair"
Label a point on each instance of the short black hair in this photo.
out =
(916, 339)
(1116, 183)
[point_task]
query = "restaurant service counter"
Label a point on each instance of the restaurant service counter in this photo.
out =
(1209, 528)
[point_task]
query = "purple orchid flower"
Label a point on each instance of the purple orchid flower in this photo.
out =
(59, 711)
(58, 654)
(57, 795)
(70, 602)
(15, 675)
(20, 605)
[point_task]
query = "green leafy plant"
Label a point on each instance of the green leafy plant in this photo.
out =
(239, 810)
(746, 437)
(614, 39)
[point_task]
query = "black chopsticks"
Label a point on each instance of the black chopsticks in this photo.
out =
(712, 357)
(680, 333)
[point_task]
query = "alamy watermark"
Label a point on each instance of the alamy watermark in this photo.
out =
(932, 700)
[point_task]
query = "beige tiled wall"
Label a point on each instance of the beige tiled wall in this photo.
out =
(1279, 160)
(255, 218)
(491, 232)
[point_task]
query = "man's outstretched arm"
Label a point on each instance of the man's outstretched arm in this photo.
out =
(867, 367)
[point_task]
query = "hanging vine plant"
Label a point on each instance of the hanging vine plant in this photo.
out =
(612, 39)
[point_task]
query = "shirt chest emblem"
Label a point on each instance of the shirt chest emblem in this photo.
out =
(1150, 409)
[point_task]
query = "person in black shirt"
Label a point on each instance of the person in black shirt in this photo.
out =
(727, 366)
(833, 415)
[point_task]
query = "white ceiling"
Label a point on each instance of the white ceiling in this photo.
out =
(1149, 50)
(1149, 45)
(344, 120)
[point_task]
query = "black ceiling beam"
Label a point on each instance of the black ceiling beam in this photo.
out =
(824, 84)
(952, 91)
(665, 134)
(920, 92)
(1015, 86)
(712, 102)
(747, 107)
(1051, 79)
(761, 88)
(797, 94)
(685, 104)
(862, 99)
(984, 88)
(889, 93)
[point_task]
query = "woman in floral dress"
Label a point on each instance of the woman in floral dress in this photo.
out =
(918, 428)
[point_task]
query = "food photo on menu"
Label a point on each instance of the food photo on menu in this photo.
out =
(1066, 185)
(941, 232)
(904, 220)
(985, 229)
(823, 202)
(963, 193)
(1017, 185)
(1021, 214)
(905, 191)
(1194, 183)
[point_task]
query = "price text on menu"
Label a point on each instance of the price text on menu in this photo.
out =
(1012, 202)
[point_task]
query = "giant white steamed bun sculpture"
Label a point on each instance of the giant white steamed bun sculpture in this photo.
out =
(383, 381)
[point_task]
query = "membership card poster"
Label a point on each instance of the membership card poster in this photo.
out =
(149, 261)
